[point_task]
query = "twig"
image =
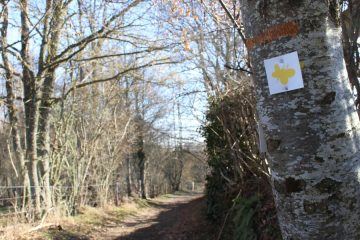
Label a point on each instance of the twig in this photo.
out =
(233, 20)
(238, 69)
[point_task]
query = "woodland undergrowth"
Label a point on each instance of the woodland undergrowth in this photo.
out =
(238, 187)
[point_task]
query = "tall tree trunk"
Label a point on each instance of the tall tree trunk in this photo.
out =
(49, 46)
(129, 158)
(141, 164)
(140, 128)
(11, 106)
(30, 105)
(44, 133)
(128, 177)
(312, 133)
(44, 109)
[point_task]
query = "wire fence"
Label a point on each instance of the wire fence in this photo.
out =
(18, 201)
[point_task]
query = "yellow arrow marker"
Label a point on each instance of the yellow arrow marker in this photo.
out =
(283, 75)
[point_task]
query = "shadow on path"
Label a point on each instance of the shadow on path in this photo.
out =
(179, 221)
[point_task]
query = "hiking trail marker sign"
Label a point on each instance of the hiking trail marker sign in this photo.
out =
(283, 73)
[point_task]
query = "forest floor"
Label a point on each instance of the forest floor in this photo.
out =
(179, 216)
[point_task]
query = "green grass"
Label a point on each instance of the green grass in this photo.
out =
(121, 213)
(4, 210)
(142, 203)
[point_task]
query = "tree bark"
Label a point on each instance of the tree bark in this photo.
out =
(11, 106)
(128, 177)
(48, 51)
(30, 105)
(312, 133)
(141, 164)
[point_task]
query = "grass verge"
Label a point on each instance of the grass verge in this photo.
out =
(78, 227)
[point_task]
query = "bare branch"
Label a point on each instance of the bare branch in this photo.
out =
(17, 74)
(116, 76)
(237, 69)
(98, 34)
(232, 18)
(120, 54)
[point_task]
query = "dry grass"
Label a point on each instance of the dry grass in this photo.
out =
(78, 227)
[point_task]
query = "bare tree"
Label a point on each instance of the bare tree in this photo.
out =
(56, 35)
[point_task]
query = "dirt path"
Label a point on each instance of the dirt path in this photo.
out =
(171, 217)
(178, 217)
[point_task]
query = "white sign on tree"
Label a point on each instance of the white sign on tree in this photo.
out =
(284, 73)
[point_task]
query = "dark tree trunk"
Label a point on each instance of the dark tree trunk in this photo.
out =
(48, 53)
(141, 164)
(128, 177)
(30, 105)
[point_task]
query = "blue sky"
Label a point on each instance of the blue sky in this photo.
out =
(189, 93)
